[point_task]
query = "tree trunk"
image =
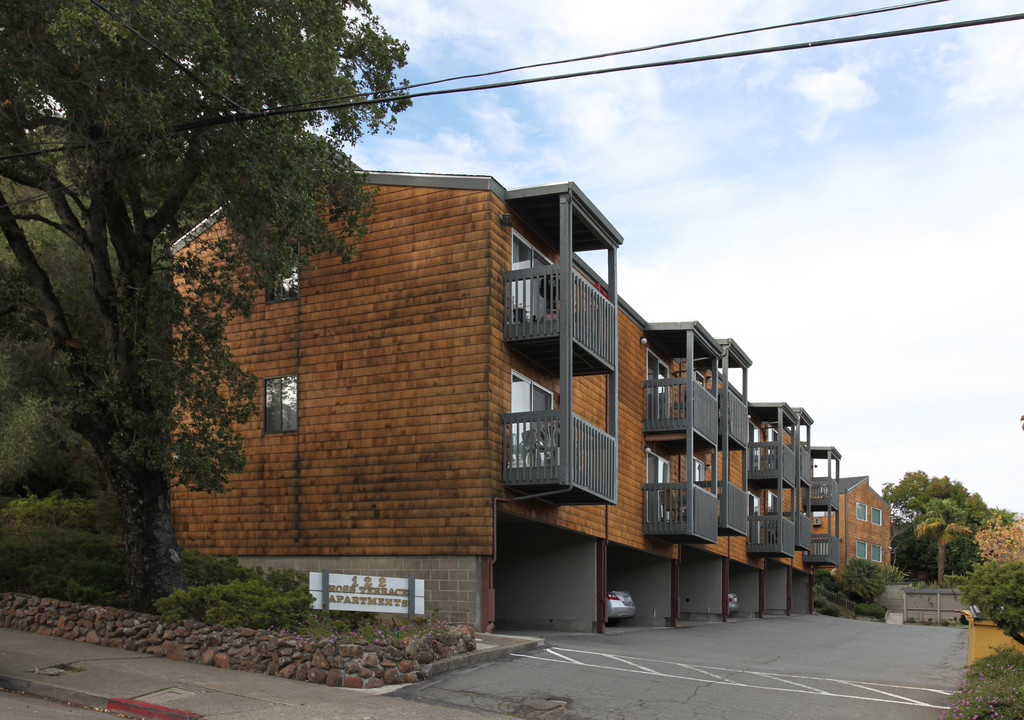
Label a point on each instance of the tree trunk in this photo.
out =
(941, 562)
(154, 567)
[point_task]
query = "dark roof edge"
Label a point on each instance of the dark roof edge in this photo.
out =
(594, 215)
(185, 240)
(450, 182)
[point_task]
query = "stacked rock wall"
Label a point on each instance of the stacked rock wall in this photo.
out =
(323, 660)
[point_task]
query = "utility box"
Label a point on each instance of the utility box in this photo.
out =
(984, 638)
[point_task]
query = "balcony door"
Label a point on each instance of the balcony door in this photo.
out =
(534, 443)
(536, 299)
(657, 396)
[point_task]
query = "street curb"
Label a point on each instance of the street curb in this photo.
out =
(147, 710)
(480, 656)
(94, 702)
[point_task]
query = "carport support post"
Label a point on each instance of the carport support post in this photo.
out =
(789, 590)
(725, 589)
(674, 575)
(602, 584)
(760, 592)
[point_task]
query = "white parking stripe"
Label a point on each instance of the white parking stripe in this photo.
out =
(795, 687)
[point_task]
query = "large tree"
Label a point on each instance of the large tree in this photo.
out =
(112, 134)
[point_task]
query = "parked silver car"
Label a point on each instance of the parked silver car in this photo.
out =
(620, 605)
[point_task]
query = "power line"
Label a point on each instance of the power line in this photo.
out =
(177, 63)
(272, 112)
(648, 48)
(400, 95)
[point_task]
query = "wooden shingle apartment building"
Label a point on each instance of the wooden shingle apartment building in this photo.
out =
(470, 400)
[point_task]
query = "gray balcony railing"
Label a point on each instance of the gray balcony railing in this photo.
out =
(733, 505)
(534, 453)
(802, 531)
(765, 462)
(672, 512)
(737, 408)
(806, 465)
(824, 550)
(667, 407)
(770, 535)
(824, 494)
(532, 311)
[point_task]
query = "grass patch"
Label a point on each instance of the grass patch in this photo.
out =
(992, 689)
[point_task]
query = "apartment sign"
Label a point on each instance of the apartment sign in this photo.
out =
(355, 593)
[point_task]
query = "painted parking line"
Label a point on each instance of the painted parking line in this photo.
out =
(753, 679)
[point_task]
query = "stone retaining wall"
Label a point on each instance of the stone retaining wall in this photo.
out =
(324, 661)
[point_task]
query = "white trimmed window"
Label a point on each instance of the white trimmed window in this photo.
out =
(876, 553)
(876, 516)
(862, 512)
(862, 550)
(286, 287)
(657, 469)
(281, 404)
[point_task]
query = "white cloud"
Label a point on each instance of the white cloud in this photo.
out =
(832, 92)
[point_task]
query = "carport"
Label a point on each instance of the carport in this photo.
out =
(700, 584)
(778, 588)
(545, 578)
(648, 578)
(745, 583)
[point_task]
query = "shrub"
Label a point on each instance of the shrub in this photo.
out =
(861, 580)
(871, 610)
(826, 580)
(998, 589)
(62, 563)
(892, 574)
(276, 598)
(203, 569)
(992, 687)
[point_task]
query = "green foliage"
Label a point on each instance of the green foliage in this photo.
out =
(998, 590)
(63, 563)
(141, 158)
(826, 580)
(992, 689)
(861, 580)
(204, 569)
(276, 598)
(892, 574)
(871, 610)
(56, 511)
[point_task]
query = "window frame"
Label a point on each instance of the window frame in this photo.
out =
(280, 426)
(879, 511)
(862, 512)
(661, 465)
(285, 288)
(534, 387)
(862, 550)
(879, 553)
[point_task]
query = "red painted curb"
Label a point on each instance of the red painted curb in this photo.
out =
(137, 707)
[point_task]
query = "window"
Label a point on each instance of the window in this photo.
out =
(286, 288)
(657, 469)
(876, 516)
(524, 255)
(876, 553)
(755, 505)
(281, 400)
(658, 395)
(862, 511)
(698, 472)
(533, 442)
(862, 550)
(771, 503)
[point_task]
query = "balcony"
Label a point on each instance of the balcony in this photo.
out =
(736, 407)
(680, 513)
(806, 465)
(675, 406)
(824, 550)
(732, 509)
(770, 535)
(535, 459)
(534, 320)
(802, 536)
(769, 461)
(824, 494)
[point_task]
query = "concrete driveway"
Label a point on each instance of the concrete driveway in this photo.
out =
(781, 668)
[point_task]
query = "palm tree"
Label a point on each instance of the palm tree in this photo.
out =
(943, 519)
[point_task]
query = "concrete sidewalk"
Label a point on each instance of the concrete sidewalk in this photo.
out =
(135, 683)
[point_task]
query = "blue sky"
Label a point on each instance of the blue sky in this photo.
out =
(851, 215)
